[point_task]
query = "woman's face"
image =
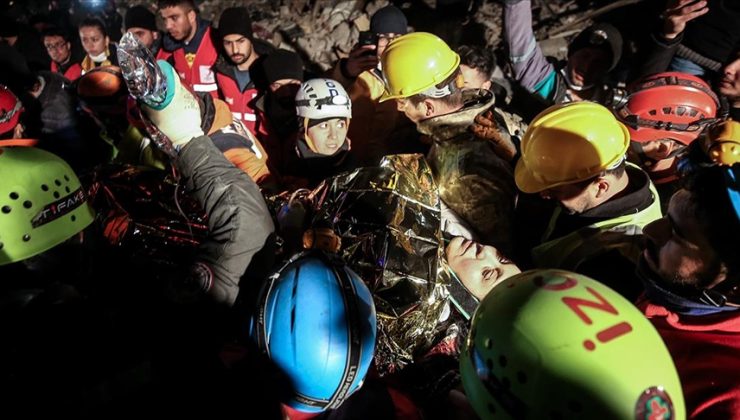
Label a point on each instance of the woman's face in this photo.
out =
(93, 41)
(479, 267)
(328, 136)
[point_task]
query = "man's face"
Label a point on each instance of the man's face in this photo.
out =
(415, 113)
(146, 36)
(238, 48)
(677, 249)
(328, 136)
(58, 49)
(658, 152)
(474, 79)
(179, 22)
(383, 41)
(575, 198)
(588, 65)
(479, 267)
(93, 41)
(730, 84)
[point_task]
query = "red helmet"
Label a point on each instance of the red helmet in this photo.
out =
(668, 105)
(10, 110)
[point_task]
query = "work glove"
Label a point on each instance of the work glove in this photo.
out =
(178, 116)
(485, 127)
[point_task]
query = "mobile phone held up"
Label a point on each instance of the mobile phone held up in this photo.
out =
(367, 38)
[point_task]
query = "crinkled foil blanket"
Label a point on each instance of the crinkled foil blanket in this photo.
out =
(389, 220)
(145, 216)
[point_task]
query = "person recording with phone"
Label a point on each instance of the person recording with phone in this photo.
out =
(360, 73)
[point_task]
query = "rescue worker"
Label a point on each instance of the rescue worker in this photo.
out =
(691, 275)
(423, 76)
(59, 47)
(104, 97)
(189, 45)
(275, 106)
(103, 94)
(556, 344)
(44, 233)
(574, 155)
(592, 55)
(379, 129)
(142, 22)
(240, 51)
(100, 51)
(664, 114)
(321, 147)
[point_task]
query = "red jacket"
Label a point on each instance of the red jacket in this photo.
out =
(200, 75)
(72, 73)
(706, 351)
(238, 101)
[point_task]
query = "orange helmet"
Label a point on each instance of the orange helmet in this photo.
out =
(103, 90)
(668, 105)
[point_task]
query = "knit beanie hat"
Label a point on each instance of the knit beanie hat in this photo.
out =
(389, 19)
(140, 17)
(599, 35)
(235, 20)
(283, 64)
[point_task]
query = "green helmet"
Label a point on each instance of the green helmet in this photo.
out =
(555, 344)
(42, 203)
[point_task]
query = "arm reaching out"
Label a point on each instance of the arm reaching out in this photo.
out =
(531, 68)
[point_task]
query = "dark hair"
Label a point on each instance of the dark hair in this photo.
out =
(162, 4)
(477, 57)
(56, 31)
(618, 172)
(453, 99)
(94, 23)
(715, 214)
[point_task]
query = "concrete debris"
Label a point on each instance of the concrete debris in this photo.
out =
(323, 31)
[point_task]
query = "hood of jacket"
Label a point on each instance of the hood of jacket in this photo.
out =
(451, 125)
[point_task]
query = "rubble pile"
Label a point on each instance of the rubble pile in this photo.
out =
(324, 30)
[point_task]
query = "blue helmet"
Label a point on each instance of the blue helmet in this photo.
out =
(316, 322)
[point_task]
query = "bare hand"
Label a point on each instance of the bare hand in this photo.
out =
(678, 13)
(359, 60)
(485, 127)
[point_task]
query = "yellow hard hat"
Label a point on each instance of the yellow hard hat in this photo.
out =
(568, 143)
(417, 62)
(722, 143)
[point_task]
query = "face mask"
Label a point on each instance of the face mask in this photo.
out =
(99, 58)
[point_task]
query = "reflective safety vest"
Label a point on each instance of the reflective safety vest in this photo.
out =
(238, 101)
(72, 73)
(200, 76)
(620, 233)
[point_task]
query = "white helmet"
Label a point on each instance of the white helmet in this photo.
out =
(322, 98)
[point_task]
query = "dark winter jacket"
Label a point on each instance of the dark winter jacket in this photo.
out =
(238, 220)
(473, 181)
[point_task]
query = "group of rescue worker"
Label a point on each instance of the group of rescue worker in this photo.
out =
(167, 257)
